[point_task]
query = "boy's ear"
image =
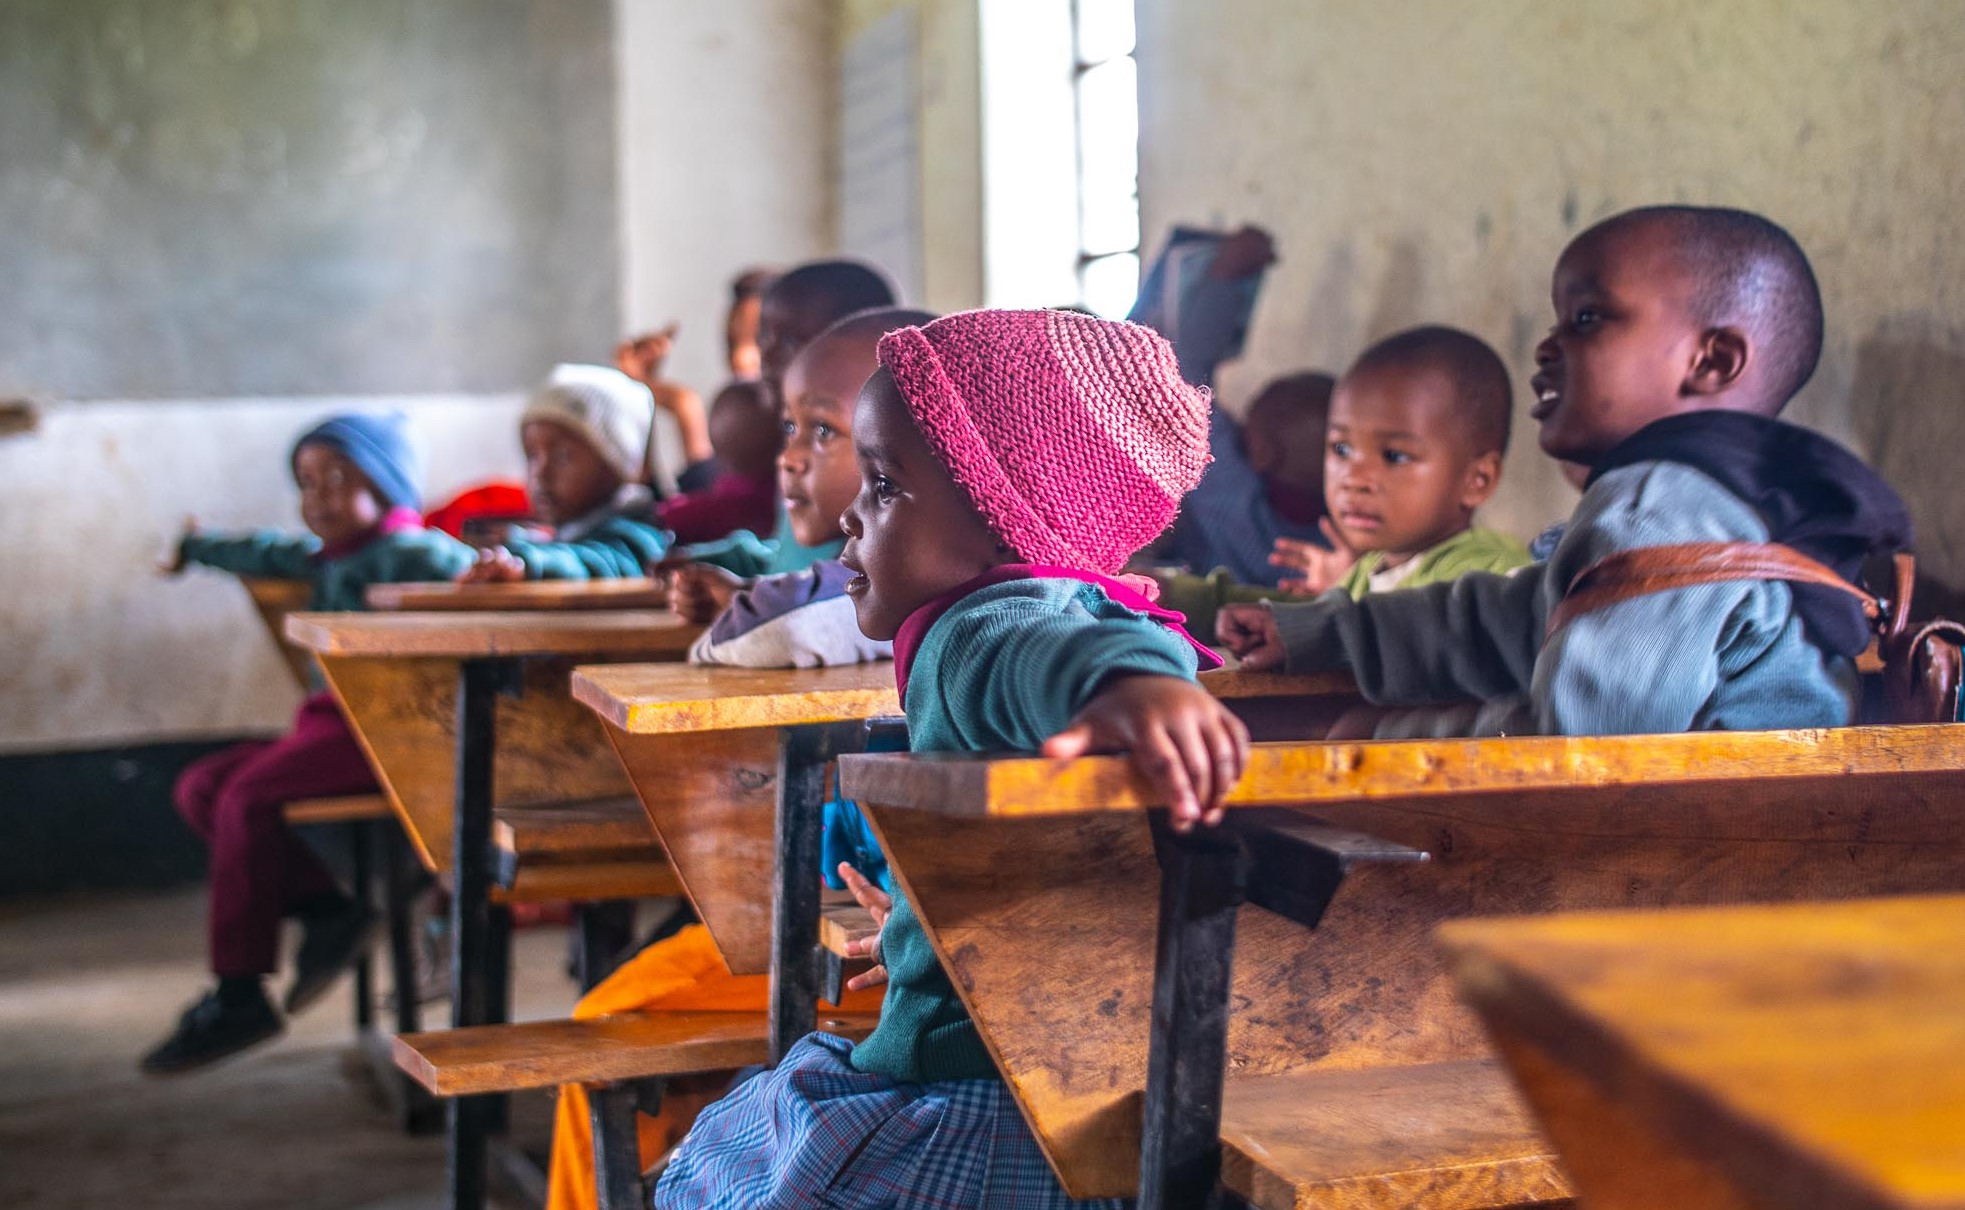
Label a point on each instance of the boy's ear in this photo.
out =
(1483, 476)
(1719, 361)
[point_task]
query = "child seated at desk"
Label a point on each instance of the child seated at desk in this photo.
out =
(1681, 332)
(1011, 462)
(794, 309)
(358, 477)
(1418, 426)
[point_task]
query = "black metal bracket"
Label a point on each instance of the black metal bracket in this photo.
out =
(611, 1110)
(803, 756)
(1278, 860)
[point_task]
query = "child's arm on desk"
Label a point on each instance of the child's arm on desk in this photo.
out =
(266, 552)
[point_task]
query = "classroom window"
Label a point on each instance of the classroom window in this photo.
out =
(1060, 153)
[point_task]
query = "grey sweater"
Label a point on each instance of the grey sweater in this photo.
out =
(1711, 657)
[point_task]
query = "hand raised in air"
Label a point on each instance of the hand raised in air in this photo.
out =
(1316, 569)
(1179, 738)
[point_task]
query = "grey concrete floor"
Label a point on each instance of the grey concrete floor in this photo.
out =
(88, 984)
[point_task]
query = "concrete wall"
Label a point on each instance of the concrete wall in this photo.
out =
(725, 112)
(951, 143)
(1427, 161)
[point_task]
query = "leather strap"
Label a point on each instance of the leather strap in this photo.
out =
(1649, 569)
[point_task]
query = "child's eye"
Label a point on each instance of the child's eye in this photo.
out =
(1340, 449)
(884, 488)
(1397, 457)
(789, 429)
(823, 432)
(1586, 318)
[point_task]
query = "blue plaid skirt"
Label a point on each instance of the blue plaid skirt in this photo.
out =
(815, 1134)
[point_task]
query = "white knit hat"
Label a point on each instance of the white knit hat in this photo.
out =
(608, 408)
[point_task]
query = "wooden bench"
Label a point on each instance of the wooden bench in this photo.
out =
(1049, 888)
(1768, 1057)
(459, 713)
(637, 592)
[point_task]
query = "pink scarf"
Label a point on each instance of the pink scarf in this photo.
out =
(1126, 591)
(395, 521)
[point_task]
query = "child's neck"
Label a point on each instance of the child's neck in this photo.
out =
(1388, 559)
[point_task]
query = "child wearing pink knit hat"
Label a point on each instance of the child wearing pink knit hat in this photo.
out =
(1010, 463)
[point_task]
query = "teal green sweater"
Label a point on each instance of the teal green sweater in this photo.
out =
(1006, 668)
(616, 541)
(745, 554)
(396, 557)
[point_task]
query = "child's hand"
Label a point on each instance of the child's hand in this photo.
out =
(173, 563)
(1318, 570)
(1250, 632)
(1180, 739)
(1249, 250)
(701, 591)
(641, 357)
(494, 565)
(880, 905)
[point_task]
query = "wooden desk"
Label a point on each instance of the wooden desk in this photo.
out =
(636, 593)
(1042, 886)
(1737, 1059)
(273, 600)
(461, 711)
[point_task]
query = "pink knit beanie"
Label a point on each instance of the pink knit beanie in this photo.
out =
(1075, 436)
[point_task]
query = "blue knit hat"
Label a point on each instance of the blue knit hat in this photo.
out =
(380, 446)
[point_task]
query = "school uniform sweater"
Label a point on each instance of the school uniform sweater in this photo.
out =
(1004, 669)
(800, 619)
(1472, 549)
(745, 554)
(617, 540)
(401, 551)
(1731, 656)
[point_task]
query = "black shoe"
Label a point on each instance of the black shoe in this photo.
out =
(329, 945)
(210, 1030)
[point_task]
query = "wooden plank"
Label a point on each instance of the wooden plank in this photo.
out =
(673, 699)
(546, 1054)
(404, 713)
(1447, 1136)
(346, 809)
(558, 831)
(274, 600)
(637, 592)
(841, 924)
(1767, 1057)
(547, 882)
(1315, 773)
(1046, 923)
(612, 634)
(712, 799)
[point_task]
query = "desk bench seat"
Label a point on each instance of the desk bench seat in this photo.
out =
(630, 1046)
(1447, 1136)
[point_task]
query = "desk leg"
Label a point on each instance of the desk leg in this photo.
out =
(1201, 887)
(472, 928)
(803, 753)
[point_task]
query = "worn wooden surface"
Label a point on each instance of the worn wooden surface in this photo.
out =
(404, 713)
(597, 635)
(712, 798)
(633, 593)
(1314, 773)
(1446, 1136)
(564, 831)
(546, 1054)
(647, 878)
(346, 809)
(274, 600)
(1047, 922)
(840, 924)
(671, 699)
(1806, 1055)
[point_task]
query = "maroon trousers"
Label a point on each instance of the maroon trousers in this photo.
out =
(261, 871)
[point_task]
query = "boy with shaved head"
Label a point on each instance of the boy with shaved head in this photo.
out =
(1681, 332)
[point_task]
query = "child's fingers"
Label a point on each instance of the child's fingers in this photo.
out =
(1266, 658)
(871, 978)
(1197, 761)
(1228, 741)
(867, 895)
(1162, 764)
(1069, 744)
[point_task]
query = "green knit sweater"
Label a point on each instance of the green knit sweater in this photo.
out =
(339, 584)
(1006, 668)
(1473, 549)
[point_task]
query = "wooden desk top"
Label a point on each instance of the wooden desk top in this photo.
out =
(469, 635)
(1813, 1053)
(1311, 773)
(636, 593)
(663, 699)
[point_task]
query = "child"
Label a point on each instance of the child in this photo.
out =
(1680, 333)
(990, 568)
(358, 494)
(1200, 295)
(802, 619)
(796, 307)
(799, 619)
